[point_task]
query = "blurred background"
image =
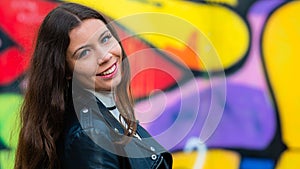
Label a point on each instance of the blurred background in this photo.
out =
(227, 69)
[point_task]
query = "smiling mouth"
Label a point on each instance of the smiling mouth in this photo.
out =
(108, 71)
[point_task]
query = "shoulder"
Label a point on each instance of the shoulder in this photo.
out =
(86, 130)
(86, 152)
(88, 126)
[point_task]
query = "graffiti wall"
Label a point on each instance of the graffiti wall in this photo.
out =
(19, 21)
(215, 81)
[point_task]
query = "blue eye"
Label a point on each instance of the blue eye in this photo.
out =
(106, 38)
(84, 53)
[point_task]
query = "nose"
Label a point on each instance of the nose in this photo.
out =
(105, 58)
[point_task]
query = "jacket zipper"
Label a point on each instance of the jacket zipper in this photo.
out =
(159, 163)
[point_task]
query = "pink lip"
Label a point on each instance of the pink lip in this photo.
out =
(111, 75)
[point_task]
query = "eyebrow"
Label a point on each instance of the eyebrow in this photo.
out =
(84, 46)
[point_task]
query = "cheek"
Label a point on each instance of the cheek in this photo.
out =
(120, 52)
(85, 68)
(117, 50)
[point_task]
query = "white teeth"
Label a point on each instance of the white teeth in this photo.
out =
(109, 71)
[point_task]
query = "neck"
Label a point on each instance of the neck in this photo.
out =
(106, 97)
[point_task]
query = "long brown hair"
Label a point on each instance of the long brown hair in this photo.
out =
(43, 109)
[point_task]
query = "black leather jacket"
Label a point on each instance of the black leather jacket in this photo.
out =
(92, 141)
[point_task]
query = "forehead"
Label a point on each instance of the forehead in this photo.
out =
(86, 30)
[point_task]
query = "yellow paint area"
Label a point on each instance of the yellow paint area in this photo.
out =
(215, 159)
(214, 36)
(289, 160)
(281, 54)
(229, 2)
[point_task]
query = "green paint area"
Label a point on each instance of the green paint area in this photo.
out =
(9, 127)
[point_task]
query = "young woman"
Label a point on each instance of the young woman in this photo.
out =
(78, 111)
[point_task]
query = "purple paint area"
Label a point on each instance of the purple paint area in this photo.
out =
(264, 7)
(248, 119)
(252, 74)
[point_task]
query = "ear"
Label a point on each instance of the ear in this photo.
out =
(68, 73)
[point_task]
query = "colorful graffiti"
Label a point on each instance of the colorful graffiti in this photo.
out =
(182, 53)
(19, 21)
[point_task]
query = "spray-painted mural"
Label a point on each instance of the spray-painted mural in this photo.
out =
(215, 80)
(19, 21)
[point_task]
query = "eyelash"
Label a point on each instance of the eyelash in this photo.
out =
(82, 53)
(108, 36)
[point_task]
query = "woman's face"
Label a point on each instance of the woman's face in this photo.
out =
(94, 56)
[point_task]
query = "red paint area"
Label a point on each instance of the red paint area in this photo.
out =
(19, 20)
(151, 69)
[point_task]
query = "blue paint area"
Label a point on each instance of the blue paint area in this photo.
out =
(257, 163)
(1, 145)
